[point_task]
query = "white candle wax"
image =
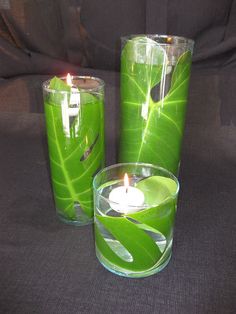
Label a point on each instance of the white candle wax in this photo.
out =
(124, 200)
(74, 101)
(74, 97)
(168, 69)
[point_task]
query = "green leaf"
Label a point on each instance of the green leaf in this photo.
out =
(143, 249)
(133, 230)
(160, 193)
(75, 153)
(151, 131)
(58, 85)
(161, 217)
(157, 189)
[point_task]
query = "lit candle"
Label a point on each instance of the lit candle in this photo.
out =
(125, 199)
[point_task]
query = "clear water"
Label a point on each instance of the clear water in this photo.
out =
(103, 209)
(118, 248)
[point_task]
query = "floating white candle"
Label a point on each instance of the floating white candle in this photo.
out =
(126, 199)
(74, 97)
(168, 69)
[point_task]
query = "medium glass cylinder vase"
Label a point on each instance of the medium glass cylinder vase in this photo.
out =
(134, 219)
(155, 72)
(75, 132)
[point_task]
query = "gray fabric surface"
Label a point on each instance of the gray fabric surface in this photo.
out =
(48, 267)
(24, 92)
(47, 36)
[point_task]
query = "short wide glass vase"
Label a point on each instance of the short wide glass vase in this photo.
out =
(134, 240)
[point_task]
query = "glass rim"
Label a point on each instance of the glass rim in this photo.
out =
(170, 175)
(96, 89)
(178, 40)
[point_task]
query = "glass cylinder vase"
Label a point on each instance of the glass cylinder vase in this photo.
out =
(134, 221)
(74, 114)
(155, 72)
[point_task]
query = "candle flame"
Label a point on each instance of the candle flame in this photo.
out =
(69, 79)
(126, 182)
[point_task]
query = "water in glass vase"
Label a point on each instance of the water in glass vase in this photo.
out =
(154, 88)
(76, 152)
(136, 244)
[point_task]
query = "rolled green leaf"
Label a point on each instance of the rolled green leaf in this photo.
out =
(134, 232)
(75, 153)
(152, 129)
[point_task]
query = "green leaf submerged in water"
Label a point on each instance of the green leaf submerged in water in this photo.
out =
(76, 149)
(152, 130)
(157, 189)
(134, 231)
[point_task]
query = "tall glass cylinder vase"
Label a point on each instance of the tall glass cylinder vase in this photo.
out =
(155, 72)
(75, 132)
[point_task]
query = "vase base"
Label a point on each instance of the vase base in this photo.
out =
(130, 274)
(78, 223)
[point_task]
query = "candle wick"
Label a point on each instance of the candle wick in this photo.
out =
(126, 190)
